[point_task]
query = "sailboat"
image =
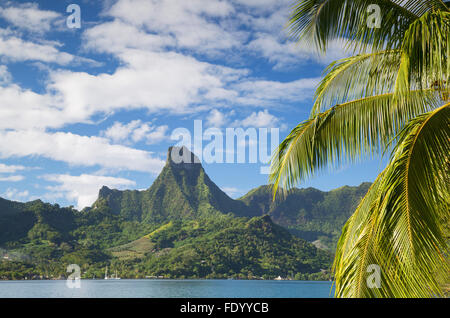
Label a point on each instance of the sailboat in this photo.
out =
(111, 277)
(106, 273)
(115, 276)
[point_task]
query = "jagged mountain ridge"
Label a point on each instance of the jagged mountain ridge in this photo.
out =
(184, 190)
(309, 213)
(182, 226)
(181, 190)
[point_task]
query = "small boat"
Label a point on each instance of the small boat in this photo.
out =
(111, 277)
(115, 276)
(106, 273)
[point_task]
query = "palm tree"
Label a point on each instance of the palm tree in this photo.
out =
(391, 95)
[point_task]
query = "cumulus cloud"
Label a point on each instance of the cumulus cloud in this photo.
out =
(156, 81)
(29, 17)
(261, 119)
(24, 109)
(218, 119)
(149, 76)
(15, 194)
(15, 49)
(7, 169)
(269, 93)
(191, 23)
(271, 40)
(159, 47)
(83, 189)
(136, 131)
(5, 75)
(77, 150)
(116, 36)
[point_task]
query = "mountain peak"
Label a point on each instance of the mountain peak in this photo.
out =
(104, 191)
(182, 157)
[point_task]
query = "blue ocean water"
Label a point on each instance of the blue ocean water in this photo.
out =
(129, 288)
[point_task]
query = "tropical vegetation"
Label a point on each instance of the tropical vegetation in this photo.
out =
(183, 226)
(391, 95)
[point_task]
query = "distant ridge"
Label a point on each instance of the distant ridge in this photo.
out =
(309, 213)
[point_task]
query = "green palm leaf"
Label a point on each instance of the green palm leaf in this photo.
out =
(425, 51)
(400, 229)
(319, 21)
(357, 77)
(389, 96)
(344, 134)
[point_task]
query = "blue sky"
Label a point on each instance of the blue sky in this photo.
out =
(97, 105)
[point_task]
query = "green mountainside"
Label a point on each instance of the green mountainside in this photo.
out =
(309, 213)
(183, 226)
(182, 190)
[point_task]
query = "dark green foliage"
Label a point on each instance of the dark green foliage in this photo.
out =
(182, 226)
(232, 247)
(309, 213)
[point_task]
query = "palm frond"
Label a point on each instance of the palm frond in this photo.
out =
(319, 21)
(357, 77)
(400, 230)
(344, 134)
(425, 51)
(349, 264)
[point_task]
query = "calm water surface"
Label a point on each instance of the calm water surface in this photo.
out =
(129, 288)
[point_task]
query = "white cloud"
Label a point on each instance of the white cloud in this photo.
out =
(13, 48)
(77, 150)
(269, 93)
(25, 109)
(5, 75)
(120, 132)
(12, 178)
(258, 120)
(282, 53)
(232, 192)
(218, 119)
(285, 53)
(152, 80)
(14, 194)
(83, 189)
(150, 134)
(136, 131)
(117, 36)
(29, 17)
(271, 40)
(10, 168)
(189, 22)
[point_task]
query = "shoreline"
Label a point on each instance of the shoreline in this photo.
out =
(169, 279)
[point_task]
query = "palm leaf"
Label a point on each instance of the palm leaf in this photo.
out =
(400, 229)
(319, 21)
(357, 77)
(344, 134)
(349, 266)
(424, 57)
